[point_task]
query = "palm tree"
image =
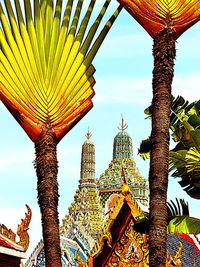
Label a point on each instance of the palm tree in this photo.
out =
(165, 21)
(47, 85)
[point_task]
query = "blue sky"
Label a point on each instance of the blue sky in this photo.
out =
(123, 85)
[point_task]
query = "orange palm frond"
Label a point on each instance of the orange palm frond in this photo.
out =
(155, 15)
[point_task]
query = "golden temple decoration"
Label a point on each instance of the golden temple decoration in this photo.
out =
(22, 230)
(176, 261)
(131, 250)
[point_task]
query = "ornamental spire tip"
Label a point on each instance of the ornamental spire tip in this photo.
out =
(123, 126)
(88, 134)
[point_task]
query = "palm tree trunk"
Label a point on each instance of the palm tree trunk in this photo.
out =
(164, 55)
(46, 169)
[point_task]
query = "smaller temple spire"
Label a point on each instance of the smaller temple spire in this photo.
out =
(123, 126)
(122, 147)
(87, 160)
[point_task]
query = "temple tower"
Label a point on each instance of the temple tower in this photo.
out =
(85, 213)
(87, 176)
(122, 146)
(110, 184)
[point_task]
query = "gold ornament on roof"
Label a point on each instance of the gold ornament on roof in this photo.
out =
(21, 231)
(23, 228)
(7, 232)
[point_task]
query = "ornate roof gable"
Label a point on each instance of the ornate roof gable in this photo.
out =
(9, 245)
(116, 236)
(124, 239)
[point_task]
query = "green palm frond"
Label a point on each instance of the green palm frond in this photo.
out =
(46, 62)
(185, 225)
(186, 165)
(180, 207)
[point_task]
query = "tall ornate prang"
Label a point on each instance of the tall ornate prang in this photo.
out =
(87, 161)
(85, 213)
(122, 147)
(110, 181)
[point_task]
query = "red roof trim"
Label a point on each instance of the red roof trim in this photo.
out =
(189, 239)
(5, 242)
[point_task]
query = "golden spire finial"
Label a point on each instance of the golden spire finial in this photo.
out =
(123, 125)
(88, 134)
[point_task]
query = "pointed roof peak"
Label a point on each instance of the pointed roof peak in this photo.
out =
(123, 126)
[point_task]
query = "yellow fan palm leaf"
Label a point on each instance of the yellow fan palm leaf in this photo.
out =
(155, 15)
(46, 78)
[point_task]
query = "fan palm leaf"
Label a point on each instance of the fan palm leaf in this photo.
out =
(46, 82)
(157, 15)
(46, 63)
(165, 21)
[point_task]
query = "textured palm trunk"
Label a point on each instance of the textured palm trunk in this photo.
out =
(164, 55)
(47, 168)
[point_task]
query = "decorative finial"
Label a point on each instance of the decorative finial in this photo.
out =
(88, 134)
(123, 125)
(22, 230)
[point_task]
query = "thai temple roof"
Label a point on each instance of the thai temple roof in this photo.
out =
(71, 250)
(126, 232)
(190, 248)
(10, 246)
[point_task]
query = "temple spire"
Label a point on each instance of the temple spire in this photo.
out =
(87, 160)
(122, 147)
(122, 173)
(86, 211)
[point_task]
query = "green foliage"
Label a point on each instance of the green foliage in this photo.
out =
(184, 158)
